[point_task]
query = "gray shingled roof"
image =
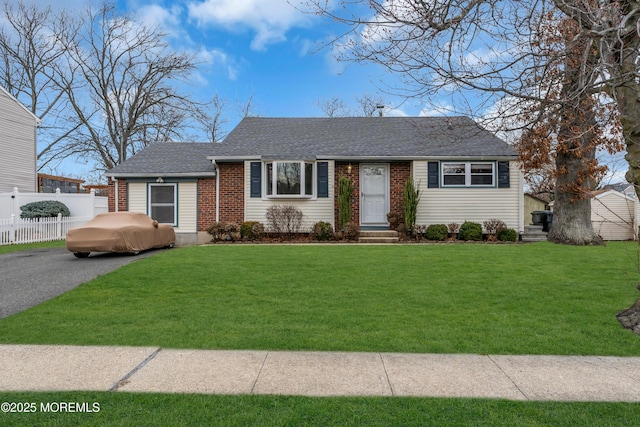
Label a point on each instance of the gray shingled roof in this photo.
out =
(323, 138)
(168, 159)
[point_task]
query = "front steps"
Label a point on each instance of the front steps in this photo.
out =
(534, 233)
(378, 236)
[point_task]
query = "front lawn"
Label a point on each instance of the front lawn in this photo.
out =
(447, 298)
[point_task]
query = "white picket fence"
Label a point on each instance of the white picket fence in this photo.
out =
(16, 230)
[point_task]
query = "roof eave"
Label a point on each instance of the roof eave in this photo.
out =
(159, 174)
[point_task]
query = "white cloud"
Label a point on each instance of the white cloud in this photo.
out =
(437, 111)
(158, 16)
(270, 19)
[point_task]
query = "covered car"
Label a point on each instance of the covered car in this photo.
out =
(127, 232)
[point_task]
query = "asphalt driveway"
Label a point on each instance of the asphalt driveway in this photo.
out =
(28, 278)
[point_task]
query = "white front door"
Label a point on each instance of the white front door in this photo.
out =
(374, 201)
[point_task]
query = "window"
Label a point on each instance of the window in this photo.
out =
(292, 179)
(162, 203)
(468, 174)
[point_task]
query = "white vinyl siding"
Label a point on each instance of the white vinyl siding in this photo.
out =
(477, 204)
(137, 197)
(18, 146)
(187, 220)
(314, 210)
(187, 207)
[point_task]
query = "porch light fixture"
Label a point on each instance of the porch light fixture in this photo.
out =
(159, 180)
(349, 168)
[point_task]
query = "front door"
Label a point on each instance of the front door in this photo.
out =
(374, 201)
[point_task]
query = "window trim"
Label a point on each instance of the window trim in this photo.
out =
(467, 174)
(174, 204)
(271, 193)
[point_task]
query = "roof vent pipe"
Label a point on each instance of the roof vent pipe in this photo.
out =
(380, 108)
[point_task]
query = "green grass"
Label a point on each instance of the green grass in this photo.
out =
(23, 247)
(127, 409)
(476, 298)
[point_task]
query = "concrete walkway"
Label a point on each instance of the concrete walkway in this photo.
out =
(151, 369)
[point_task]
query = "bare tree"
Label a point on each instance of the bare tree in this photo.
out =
(212, 119)
(30, 54)
(104, 85)
(333, 107)
(367, 106)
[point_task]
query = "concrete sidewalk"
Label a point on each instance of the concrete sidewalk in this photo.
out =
(151, 369)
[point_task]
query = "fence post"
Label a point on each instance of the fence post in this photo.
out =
(59, 226)
(14, 198)
(93, 202)
(12, 228)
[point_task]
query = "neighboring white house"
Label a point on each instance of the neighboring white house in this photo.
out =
(18, 127)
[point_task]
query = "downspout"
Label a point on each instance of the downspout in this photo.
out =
(115, 181)
(215, 165)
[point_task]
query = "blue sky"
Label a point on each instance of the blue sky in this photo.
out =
(267, 50)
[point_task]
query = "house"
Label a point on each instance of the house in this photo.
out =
(614, 215)
(464, 173)
(18, 128)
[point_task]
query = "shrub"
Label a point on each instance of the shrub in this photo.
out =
(351, 231)
(285, 220)
(453, 228)
(508, 235)
(44, 209)
(436, 232)
(345, 191)
(394, 219)
(411, 198)
(251, 230)
(494, 227)
(470, 231)
(225, 231)
(321, 230)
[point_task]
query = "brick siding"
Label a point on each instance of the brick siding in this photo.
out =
(122, 195)
(232, 192)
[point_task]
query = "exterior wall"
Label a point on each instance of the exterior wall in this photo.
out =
(447, 205)
(122, 195)
(314, 210)
(342, 169)
(233, 177)
(134, 197)
(613, 216)
(532, 204)
(400, 173)
(18, 146)
(206, 203)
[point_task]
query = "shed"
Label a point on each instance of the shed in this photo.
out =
(614, 215)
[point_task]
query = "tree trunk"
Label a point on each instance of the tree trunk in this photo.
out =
(571, 210)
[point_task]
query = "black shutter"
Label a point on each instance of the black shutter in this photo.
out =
(503, 175)
(323, 179)
(256, 179)
(433, 175)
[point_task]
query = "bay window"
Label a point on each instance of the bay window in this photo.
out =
(293, 179)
